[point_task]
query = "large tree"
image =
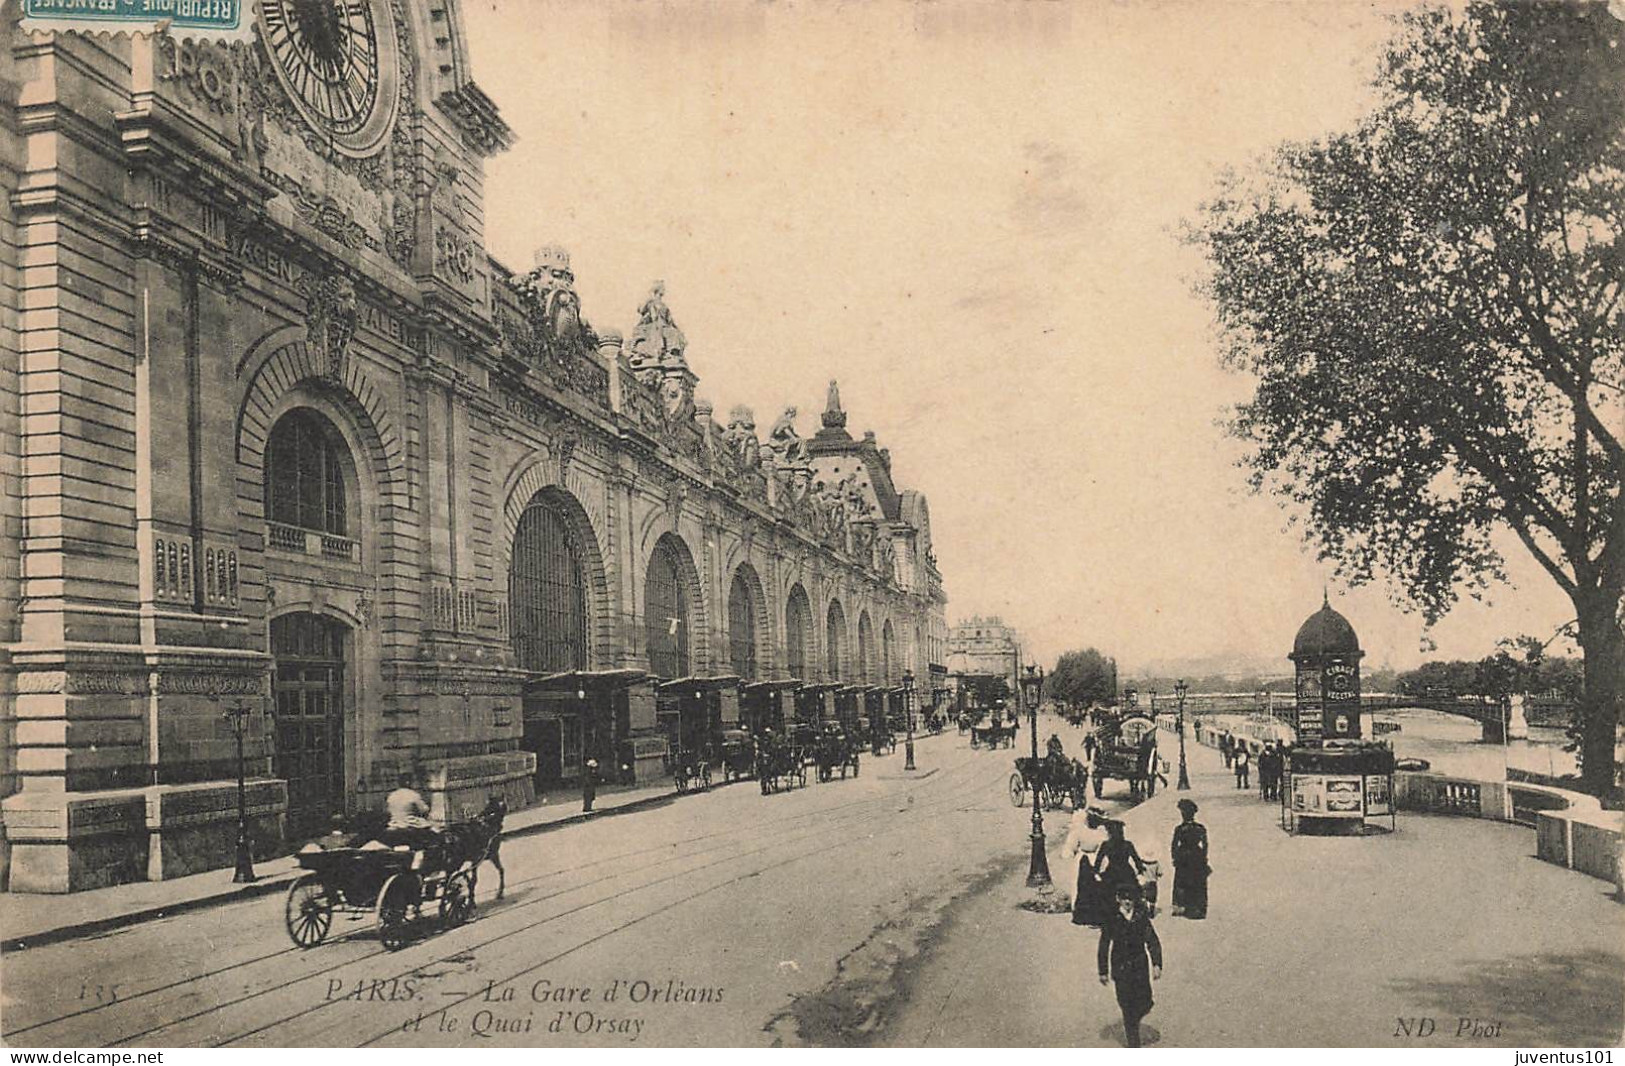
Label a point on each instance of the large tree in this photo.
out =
(1430, 304)
(1081, 678)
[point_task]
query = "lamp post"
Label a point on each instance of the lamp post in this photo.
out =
(1153, 703)
(1032, 687)
(908, 719)
(1184, 772)
(237, 714)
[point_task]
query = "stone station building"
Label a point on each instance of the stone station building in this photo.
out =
(279, 438)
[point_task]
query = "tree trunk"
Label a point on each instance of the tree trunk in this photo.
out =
(1603, 646)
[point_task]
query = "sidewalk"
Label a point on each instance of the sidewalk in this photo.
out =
(32, 920)
(1310, 941)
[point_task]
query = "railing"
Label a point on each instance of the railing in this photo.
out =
(312, 542)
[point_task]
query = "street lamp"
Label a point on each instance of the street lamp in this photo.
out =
(237, 714)
(1184, 772)
(1032, 688)
(1153, 703)
(908, 719)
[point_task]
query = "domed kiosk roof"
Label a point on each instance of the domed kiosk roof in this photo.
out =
(1325, 633)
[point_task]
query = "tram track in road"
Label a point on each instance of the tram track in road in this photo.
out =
(844, 815)
(673, 905)
(612, 897)
(294, 952)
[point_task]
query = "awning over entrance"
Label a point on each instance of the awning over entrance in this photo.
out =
(583, 680)
(821, 687)
(783, 684)
(699, 684)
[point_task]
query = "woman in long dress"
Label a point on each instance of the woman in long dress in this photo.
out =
(1118, 863)
(1089, 901)
(1190, 864)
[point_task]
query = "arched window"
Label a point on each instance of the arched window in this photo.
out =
(666, 603)
(835, 639)
(797, 630)
(742, 627)
(866, 655)
(304, 474)
(547, 592)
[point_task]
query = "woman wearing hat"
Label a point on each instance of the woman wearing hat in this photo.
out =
(1091, 902)
(1190, 864)
(1125, 941)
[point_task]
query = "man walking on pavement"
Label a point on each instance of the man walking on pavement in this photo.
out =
(1125, 940)
(1240, 761)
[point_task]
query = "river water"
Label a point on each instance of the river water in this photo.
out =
(1452, 745)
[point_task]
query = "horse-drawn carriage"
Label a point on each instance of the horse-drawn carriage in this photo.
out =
(781, 761)
(357, 873)
(994, 733)
(736, 755)
(836, 751)
(882, 741)
(1056, 777)
(1126, 749)
(691, 770)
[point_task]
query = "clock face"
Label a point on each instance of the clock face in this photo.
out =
(338, 63)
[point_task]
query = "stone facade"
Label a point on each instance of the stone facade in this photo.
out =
(980, 645)
(272, 424)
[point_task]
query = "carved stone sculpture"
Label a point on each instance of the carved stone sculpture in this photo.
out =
(553, 328)
(785, 443)
(656, 340)
(331, 315)
(741, 438)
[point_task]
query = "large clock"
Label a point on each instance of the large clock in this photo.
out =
(338, 63)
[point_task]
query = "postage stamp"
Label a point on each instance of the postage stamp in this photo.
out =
(215, 19)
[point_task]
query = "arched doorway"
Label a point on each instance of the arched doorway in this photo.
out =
(666, 611)
(834, 640)
(742, 626)
(548, 629)
(797, 632)
(308, 653)
(547, 592)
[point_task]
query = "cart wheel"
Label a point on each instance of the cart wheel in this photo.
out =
(457, 899)
(1018, 790)
(309, 911)
(394, 903)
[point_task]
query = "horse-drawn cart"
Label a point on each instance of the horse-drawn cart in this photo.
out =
(404, 888)
(993, 733)
(1057, 780)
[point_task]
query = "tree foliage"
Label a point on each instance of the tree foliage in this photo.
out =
(1081, 678)
(1430, 303)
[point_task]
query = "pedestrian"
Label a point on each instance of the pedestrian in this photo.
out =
(1226, 748)
(1191, 868)
(1118, 863)
(589, 785)
(1126, 940)
(1090, 901)
(1272, 785)
(1240, 763)
(1089, 746)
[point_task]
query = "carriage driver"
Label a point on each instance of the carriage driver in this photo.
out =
(408, 811)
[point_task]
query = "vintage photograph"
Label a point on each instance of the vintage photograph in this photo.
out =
(607, 524)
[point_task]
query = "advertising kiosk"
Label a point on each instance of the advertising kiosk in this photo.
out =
(1335, 781)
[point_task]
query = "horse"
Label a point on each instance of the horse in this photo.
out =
(475, 841)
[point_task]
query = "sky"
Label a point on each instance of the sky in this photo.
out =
(969, 215)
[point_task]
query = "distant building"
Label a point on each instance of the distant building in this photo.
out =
(984, 646)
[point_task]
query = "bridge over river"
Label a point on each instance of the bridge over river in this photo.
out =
(1494, 716)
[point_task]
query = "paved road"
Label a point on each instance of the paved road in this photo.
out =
(699, 922)
(879, 911)
(1310, 942)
